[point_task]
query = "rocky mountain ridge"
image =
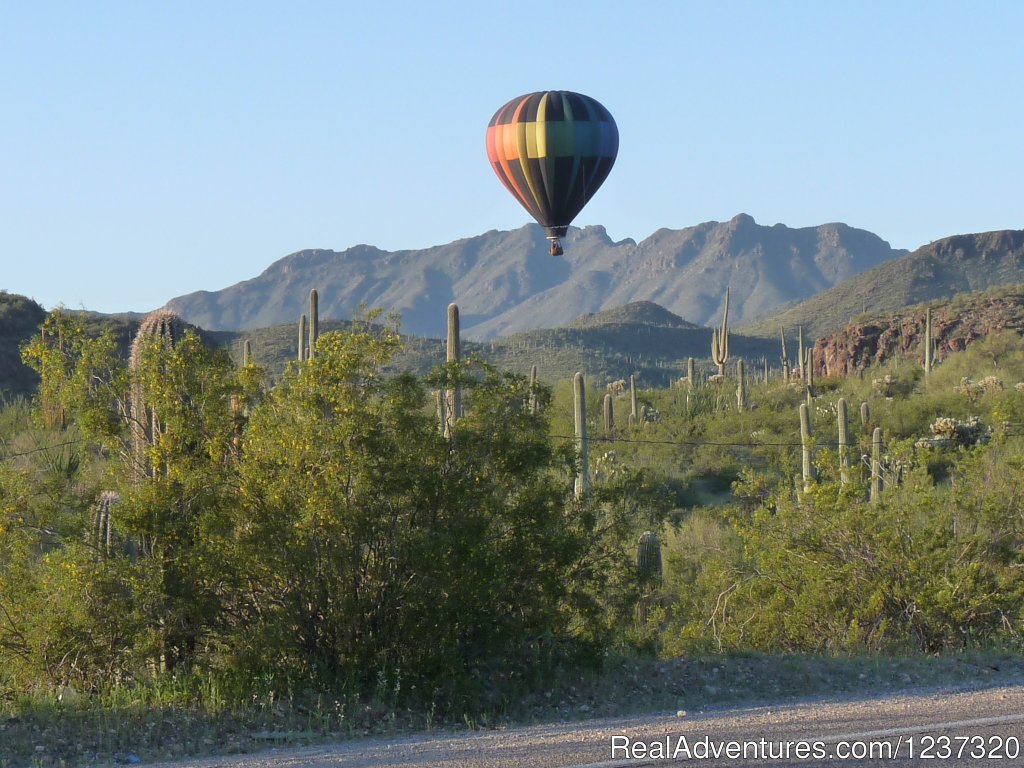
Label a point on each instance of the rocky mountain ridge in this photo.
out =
(505, 282)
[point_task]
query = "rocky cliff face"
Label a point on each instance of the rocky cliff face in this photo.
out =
(955, 325)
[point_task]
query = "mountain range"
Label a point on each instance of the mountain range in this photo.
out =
(940, 270)
(505, 282)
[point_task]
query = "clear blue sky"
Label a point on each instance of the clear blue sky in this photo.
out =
(149, 149)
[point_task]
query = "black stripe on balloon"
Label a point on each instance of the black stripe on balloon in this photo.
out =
(538, 172)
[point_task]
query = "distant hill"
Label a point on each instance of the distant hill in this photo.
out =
(19, 320)
(939, 270)
(505, 282)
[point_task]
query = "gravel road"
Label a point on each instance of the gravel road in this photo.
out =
(940, 728)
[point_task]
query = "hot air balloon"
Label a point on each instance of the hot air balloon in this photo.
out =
(552, 150)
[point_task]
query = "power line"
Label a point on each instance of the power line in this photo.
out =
(715, 443)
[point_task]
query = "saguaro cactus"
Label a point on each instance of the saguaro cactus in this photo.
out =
(442, 415)
(865, 415)
(785, 358)
(807, 464)
(314, 322)
(927, 341)
(648, 557)
(741, 386)
(876, 466)
(844, 442)
(302, 338)
(454, 404)
(609, 413)
(163, 329)
(810, 370)
(246, 353)
(649, 571)
(800, 354)
(691, 372)
(533, 390)
(634, 413)
(102, 524)
(720, 339)
(580, 411)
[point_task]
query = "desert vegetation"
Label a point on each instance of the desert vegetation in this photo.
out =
(354, 543)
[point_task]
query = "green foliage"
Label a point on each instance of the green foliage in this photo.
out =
(325, 534)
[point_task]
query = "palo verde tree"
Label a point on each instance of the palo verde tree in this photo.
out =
(379, 552)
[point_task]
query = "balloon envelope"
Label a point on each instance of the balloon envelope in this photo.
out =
(552, 150)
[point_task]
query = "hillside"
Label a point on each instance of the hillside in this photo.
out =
(19, 319)
(956, 324)
(939, 270)
(505, 282)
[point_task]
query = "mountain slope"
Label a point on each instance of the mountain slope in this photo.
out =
(505, 282)
(19, 320)
(956, 324)
(939, 270)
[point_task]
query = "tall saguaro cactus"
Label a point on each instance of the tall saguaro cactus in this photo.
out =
(454, 396)
(582, 447)
(164, 330)
(648, 557)
(800, 354)
(927, 341)
(691, 372)
(785, 358)
(533, 390)
(650, 572)
(102, 525)
(741, 386)
(246, 353)
(865, 415)
(810, 369)
(720, 339)
(842, 417)
(634, 412)
(314, 322)
(876, 466)
(807, 463)
(302, 338)
(609, 414)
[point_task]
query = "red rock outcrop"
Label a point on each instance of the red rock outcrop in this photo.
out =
(955, 325)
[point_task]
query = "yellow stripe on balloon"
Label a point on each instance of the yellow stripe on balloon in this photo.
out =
(541, 131)
(524, 161)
